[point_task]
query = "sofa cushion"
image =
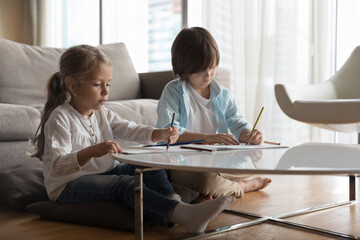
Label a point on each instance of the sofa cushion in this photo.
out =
(15, 152)
(18, 122)
(141, 111)
(25, 70)
(109, 214)
(125, 82)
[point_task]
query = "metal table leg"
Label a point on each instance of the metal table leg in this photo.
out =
(138, 201)
(352, 188)
(138, 210)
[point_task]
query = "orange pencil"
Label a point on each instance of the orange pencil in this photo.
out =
(273, 143)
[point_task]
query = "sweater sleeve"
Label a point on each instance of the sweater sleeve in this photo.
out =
(58, 146)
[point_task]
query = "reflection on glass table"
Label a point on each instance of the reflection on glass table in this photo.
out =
(219, 160)
(321, 156)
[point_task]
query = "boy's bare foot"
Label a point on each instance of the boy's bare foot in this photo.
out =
(254, 184)
(196, 217)
(201, 198)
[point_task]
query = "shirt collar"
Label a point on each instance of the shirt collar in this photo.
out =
(214, 86)
(71, 108)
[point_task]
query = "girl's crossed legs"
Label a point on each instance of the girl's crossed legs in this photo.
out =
(118, 185)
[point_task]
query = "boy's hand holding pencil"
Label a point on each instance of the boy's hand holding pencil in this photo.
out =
(254, 136)
(251, 137)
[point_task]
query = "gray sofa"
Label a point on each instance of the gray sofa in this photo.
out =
(24, 71)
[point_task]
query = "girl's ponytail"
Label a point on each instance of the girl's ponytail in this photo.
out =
(56, 95)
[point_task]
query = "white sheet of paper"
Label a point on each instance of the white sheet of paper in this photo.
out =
(151, 150)
(219, 147)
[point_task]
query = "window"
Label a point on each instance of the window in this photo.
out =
(348, 25)
(72, 22)
(348, 37)
(147, 27)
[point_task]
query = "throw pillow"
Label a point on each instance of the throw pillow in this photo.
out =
(39, 63)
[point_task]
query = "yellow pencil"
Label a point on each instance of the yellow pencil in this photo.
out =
(256, 122)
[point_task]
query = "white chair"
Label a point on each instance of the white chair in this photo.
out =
(333, 104)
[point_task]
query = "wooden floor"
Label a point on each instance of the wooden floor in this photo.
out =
(285, 194)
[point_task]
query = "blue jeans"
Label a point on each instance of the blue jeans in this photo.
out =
(118, 185)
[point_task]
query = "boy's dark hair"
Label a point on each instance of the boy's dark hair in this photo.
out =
(194, 50)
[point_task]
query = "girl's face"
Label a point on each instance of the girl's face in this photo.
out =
(93, 92)
(202, 79)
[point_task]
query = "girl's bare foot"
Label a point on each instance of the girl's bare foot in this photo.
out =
(254, 184)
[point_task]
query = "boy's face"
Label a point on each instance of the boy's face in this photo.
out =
(202, 79)
(93, 92)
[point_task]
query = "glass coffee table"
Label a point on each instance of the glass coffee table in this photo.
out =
(300, 159)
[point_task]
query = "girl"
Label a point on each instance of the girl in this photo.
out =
(76, 137)
(204, 110)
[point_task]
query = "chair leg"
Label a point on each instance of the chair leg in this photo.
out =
(359, 138)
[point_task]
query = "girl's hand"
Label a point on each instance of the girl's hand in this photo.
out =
(97, 150)
(255, 137)
(171, 133)
(224, 138)
(105, 147)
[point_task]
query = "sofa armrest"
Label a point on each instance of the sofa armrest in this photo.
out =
(152, 83)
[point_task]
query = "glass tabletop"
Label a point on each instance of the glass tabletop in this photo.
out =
(305, 158)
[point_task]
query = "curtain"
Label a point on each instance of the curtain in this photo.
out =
(34, 22)
(264, 42)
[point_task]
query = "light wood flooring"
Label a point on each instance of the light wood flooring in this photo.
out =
(285, 194)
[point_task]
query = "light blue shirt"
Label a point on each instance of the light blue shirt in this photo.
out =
(175, 99)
